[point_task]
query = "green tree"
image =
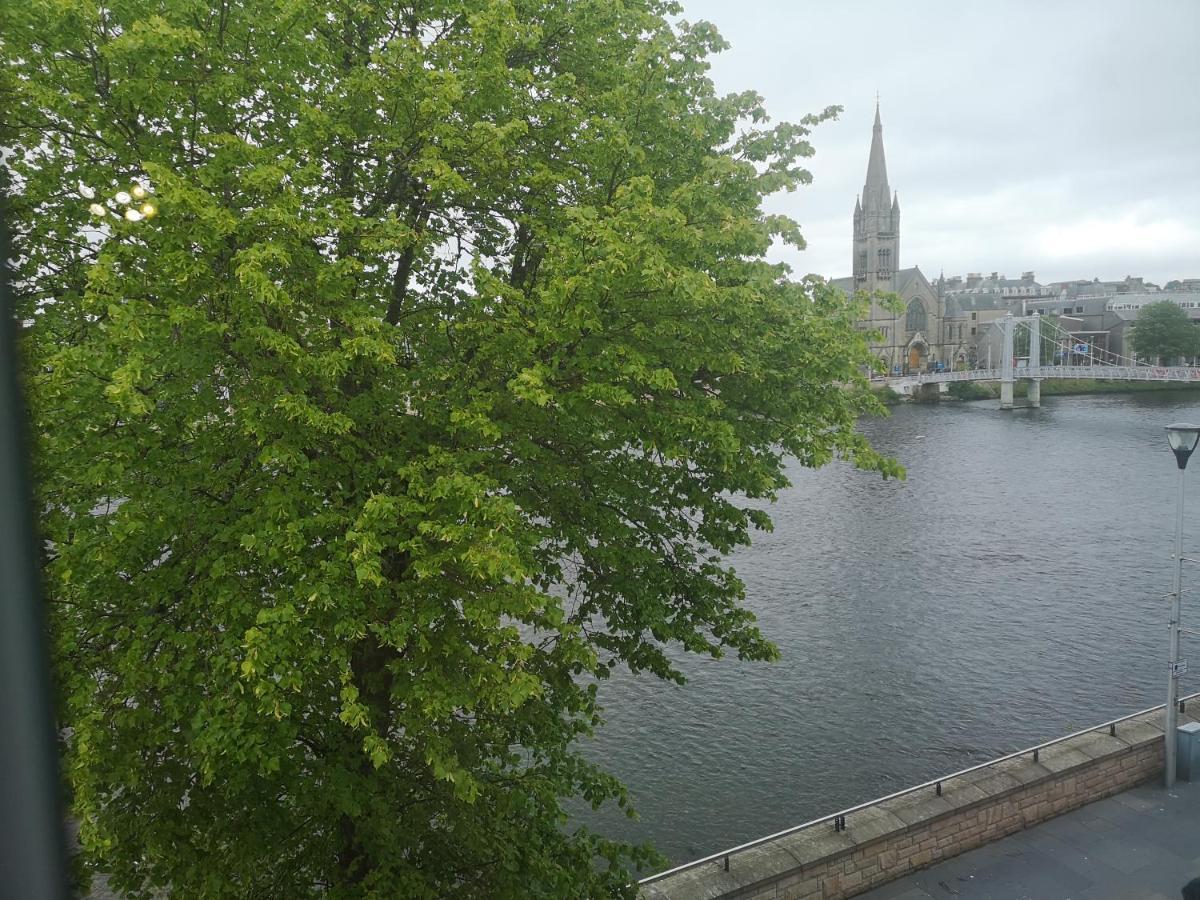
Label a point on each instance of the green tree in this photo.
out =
(1164, 331)
(408, 373)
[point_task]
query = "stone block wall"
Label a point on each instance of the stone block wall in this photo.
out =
(891, 838)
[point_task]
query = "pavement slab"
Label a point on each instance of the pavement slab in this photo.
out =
(1143, 844)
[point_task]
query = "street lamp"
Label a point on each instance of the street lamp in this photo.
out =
(1183, 439)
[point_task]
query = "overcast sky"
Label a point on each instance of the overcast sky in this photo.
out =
(1057, 136)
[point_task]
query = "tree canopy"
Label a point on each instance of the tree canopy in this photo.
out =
(1165, 331)
(396, 371)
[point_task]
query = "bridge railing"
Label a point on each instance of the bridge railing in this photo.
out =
(1116, 373)
(962, 375)
(1102, 371)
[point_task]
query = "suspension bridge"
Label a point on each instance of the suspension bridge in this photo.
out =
(1071, 359)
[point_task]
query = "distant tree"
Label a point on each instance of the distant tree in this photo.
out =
(414, 367)
(1164, 331)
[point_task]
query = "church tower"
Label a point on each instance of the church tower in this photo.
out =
(876, 224)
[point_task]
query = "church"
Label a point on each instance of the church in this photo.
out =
(927, 333)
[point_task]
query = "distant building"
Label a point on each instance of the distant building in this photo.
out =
(952, 322)
(984, 299)
(1122, 311)
(1103, 318)
(996, 284)
(1096, 287)
(927, 331)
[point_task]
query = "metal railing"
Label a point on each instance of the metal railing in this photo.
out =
(1103, 371)
(838, 819)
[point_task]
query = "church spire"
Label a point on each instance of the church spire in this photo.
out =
(877, 222)
(877, 196)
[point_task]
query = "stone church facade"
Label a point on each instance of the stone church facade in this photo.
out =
(929, 330)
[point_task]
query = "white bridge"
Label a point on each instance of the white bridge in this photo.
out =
(1087, 361)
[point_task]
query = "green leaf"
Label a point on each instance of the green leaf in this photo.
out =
(443, 378)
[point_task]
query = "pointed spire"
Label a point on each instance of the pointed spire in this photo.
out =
(876, 190)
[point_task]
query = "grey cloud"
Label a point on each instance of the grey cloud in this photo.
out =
(1018, 134)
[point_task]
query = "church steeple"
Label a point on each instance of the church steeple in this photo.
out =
(876, 221)
(876, 193)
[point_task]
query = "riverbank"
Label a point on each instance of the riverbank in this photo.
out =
(980, 390)
(886, 839)
(886, 395)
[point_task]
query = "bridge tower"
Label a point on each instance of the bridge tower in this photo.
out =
(1008, 364)
(1034, 389)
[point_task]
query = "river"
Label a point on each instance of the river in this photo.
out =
(1009, 591)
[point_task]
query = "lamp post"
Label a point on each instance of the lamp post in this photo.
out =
(1183, 439)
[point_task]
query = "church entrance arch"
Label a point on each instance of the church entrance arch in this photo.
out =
(918, 353)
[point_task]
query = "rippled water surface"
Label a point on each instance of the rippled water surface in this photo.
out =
(1007, 592)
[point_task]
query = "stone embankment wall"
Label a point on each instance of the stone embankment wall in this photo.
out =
(891, 838)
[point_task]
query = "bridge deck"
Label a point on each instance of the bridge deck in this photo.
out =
(1108, 373)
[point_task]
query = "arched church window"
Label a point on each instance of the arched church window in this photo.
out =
(916, 320)
(860, 270)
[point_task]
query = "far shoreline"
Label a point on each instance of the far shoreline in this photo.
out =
(975, 390)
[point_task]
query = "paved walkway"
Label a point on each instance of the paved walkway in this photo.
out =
(1143, 844)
